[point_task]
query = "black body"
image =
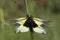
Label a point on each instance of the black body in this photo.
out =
(30, 23)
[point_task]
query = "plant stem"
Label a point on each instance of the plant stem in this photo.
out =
(26, 3)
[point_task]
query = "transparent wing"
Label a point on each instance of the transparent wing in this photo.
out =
(38, 19)
(42, 23)
(39, 30)
(14, 21)
(19, 20)
(22, 29)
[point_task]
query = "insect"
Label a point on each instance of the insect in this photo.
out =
(29, 23)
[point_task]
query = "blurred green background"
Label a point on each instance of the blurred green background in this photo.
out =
(46, 10)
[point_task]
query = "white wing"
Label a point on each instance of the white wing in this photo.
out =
(43, 22)
(14, 21)
(40, 21)
(22, 29)
(19, 20)
(39, 30)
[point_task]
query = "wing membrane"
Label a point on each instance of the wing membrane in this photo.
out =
(14, 21)
(39, 30)
(22, 29)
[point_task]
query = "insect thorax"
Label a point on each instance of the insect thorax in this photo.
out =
(30, 23)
